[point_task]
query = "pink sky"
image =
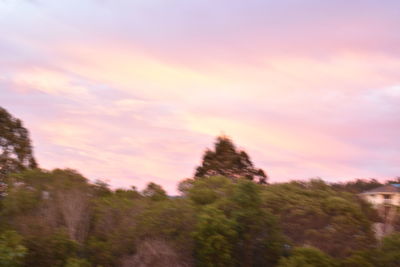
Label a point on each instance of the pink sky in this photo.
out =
(134, 91)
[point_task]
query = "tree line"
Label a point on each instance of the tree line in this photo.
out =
(226, 215)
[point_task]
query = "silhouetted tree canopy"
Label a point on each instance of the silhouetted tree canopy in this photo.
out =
(357, 186)
(15, 146)
(155, 192)
(226, 160)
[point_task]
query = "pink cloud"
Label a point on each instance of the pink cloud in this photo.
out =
(134, 92)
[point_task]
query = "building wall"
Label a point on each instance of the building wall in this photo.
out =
(378, 199)
(386, 212)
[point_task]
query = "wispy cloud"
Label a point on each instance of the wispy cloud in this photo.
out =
(134, 91)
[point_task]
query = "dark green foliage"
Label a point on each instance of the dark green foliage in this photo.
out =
(215, 238)
(258, 240)
(101, 253)
(101, 189)
(155, 192)
(227, 161)
(41, 201)
(12, 251)
(307, 257)
(51, 250)
(15, 146)
(357, 186)
(334, 222)
(112, 232)
(358, 260)
(172, 220)
(63, 220)
(389, 253)
(207, 191)
(75, 262)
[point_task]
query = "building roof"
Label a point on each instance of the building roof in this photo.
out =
(390, 188)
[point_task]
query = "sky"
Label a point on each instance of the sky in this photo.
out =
(132, 91)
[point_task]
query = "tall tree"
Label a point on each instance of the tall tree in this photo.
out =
(15, 146)
(228, 161)
(155, 192)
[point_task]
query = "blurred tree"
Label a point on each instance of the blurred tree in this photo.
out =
(322, 214)
(185, 185)
(307, 257)
(154, 253)
(47, 200)
(394, 181)
(155, 192)
(357, 186)
(101, 188)
(50, 250)
(260, 242)
(75, 262)
(258, 239)
(357, 260)
(227, 161)
(389, 253)
(214, 238)
(12, 251)
(207, 191)
(113, 226)
(71, 193)
(172, 221)
(15, 146)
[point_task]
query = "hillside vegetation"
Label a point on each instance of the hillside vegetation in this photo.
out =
(227, 215)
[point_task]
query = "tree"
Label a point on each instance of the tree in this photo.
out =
(155, 253)
(227, 161)
(307, 257)
(394, 181)
(334, 222)
(50, 250)
(11, 250)
(155, 192)
(76, 262)
(38, 199)
(357, 260)
(71, 193)
(172, 221)
(207, 191)
(214, 238)
(357, 186)
(74, 207)
(260, 240)
(390, 251)
(15, 146)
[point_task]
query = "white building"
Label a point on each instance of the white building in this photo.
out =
(383, 195)
(386, 200)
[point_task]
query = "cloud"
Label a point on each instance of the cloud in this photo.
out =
(135, 91)
(48, 81)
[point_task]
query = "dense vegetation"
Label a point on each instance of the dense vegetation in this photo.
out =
(15, 146)
(225, 216)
